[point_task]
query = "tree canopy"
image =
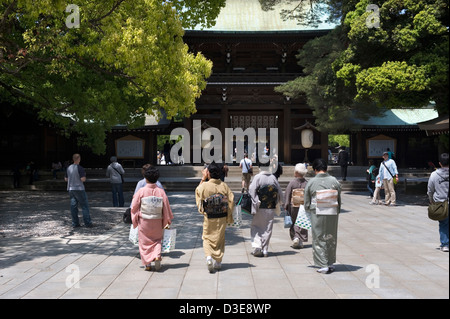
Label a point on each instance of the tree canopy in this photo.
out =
(122, 60)
(362, 67)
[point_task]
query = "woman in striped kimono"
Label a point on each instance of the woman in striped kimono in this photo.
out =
(324, 215)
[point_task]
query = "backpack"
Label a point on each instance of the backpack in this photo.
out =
(268, 195)
(216, 206)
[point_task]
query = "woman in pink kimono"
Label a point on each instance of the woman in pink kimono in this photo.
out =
(150, 211)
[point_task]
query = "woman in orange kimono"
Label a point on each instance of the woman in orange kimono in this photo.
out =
(150, 211)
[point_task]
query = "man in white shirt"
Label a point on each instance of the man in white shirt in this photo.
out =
(389, 172)
(247, 172)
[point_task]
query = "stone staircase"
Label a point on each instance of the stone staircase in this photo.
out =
(187, 178)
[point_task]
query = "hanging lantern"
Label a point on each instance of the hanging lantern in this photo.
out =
(307, 138)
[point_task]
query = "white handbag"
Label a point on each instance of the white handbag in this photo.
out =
(169, 240)
(133, 236)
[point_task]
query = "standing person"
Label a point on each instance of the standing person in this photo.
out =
(343, 159)
(388, 171)
(324, 227)
(151, 212)
(298, 234)
(371, 178)
(215, 201)
(75, 178)
(247, 171)
(438, 191)
(266, 193)
(115, 173)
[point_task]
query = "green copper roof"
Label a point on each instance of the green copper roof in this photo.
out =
(247, 15)
(401, 117)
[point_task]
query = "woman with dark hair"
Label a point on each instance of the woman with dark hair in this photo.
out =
(323, 201)
(150, 210)
(215, 201)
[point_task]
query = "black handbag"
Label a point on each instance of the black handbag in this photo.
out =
(127, 216)
(246, 203)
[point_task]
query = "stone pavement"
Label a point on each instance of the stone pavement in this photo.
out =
(382, 253)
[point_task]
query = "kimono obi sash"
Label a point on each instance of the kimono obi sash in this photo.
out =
(298, 197)
(326, 202)
(151, 207)
(268, 195)
(216, 206)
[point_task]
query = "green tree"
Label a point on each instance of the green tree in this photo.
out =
(357, 70)
(404, 61)
(123, 60)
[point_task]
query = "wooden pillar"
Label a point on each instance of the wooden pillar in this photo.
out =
(287, 141)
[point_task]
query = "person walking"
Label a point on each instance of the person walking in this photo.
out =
(343, 159)
(298, 235)
(389, 172)
(215, 201)
(151, 212)
(438, 191)
(75, 177)
(324, 215)
(115, 174)
(266, 194)
(247, 172)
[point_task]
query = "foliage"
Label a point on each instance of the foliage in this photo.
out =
(404, 62)
(126, 59)
(357, 69)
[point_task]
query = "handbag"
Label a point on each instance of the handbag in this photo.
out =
(133, 236)
(127, 216)
(287, 220)
(237, 217)
(303, 218)
(438, 211)
(246, 203)
(169, 240)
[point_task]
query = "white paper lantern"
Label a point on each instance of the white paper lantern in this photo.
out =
(307, 138)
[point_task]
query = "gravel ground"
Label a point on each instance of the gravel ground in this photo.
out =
(40, 214)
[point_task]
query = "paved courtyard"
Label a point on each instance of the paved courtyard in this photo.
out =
(382, 253)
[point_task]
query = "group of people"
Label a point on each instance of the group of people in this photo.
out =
(151, 212)
(216, 201)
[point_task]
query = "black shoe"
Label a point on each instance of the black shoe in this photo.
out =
(90, 225)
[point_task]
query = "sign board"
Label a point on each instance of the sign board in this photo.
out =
(130, 147)
(377, 145)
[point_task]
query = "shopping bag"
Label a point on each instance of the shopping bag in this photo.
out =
(287, 221)
(246, 203)
(237, 217)
(169, 240)
(133, 236)
(303, 218)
